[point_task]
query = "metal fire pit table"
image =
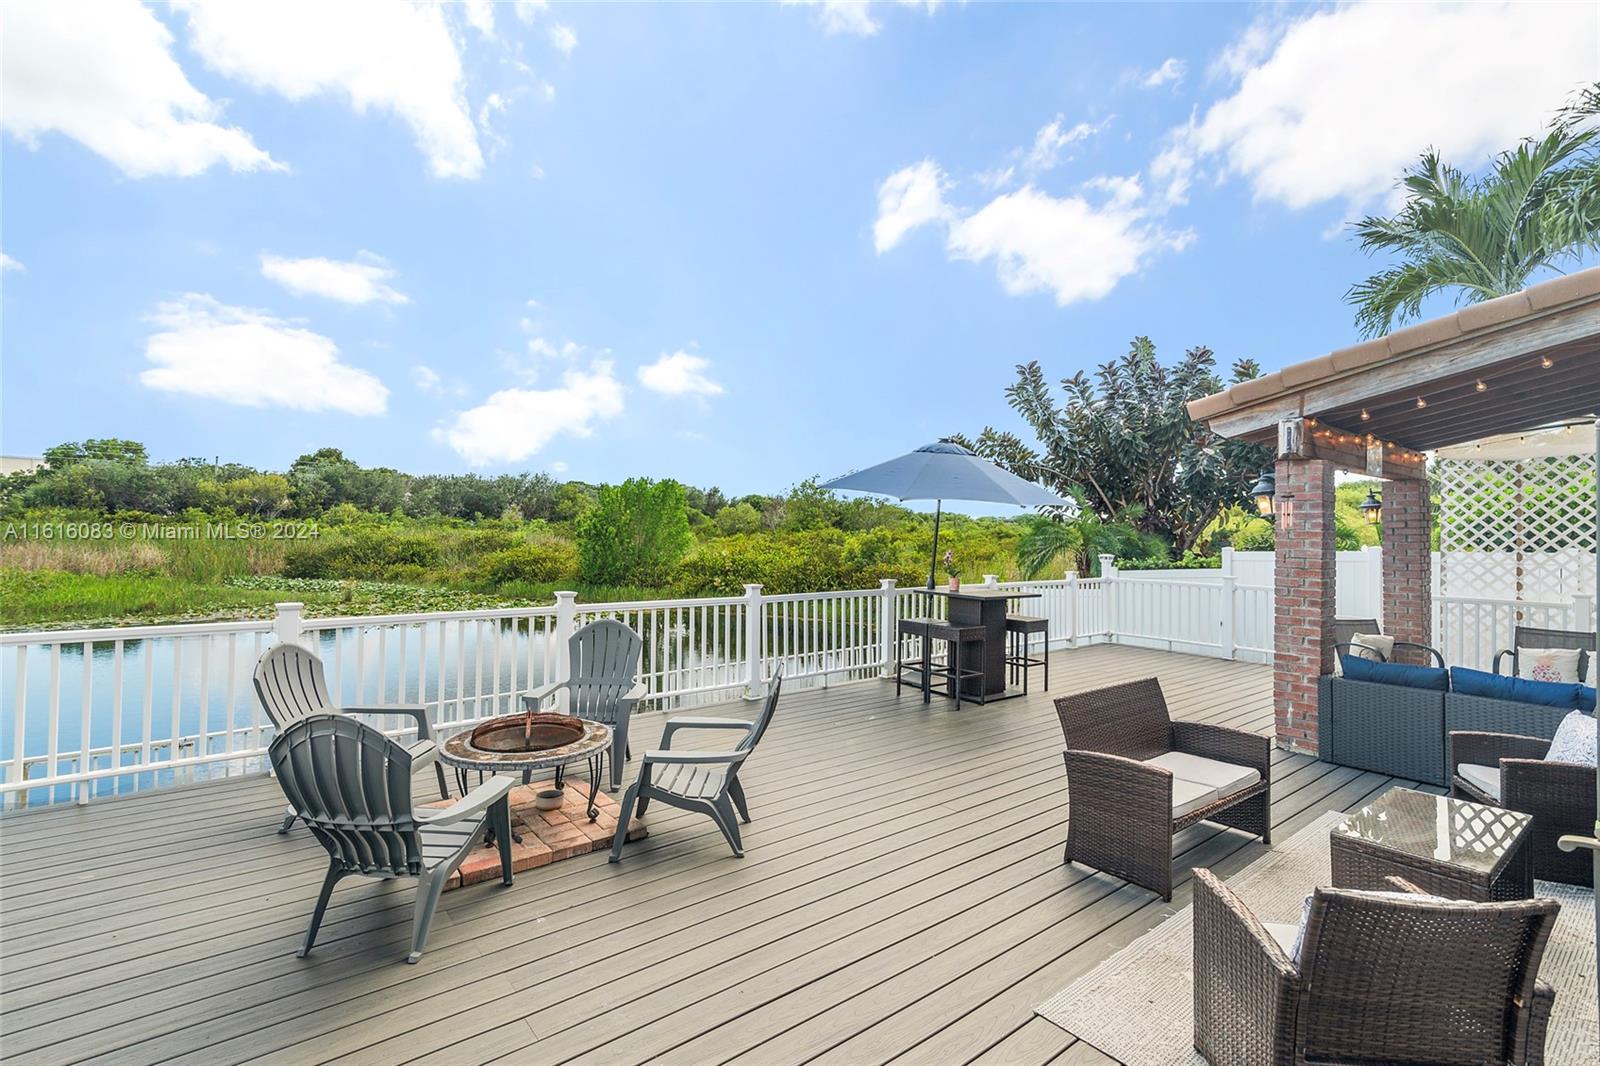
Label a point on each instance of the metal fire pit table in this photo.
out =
(524, 743)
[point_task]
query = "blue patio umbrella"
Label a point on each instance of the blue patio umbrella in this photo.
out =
(945, 471)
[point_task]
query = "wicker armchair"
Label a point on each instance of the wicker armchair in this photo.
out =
(1530, 637)
(1505, 770)
(1379, 979)
(1125, 806)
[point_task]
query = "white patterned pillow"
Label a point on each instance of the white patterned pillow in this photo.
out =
(1374, 646)
(1574, 740)
(1548, 664)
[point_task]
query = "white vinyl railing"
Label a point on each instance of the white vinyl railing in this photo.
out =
(90, 713)
(1469, 632)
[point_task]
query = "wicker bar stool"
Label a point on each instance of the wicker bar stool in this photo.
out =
(1020, 630)
(962, 643)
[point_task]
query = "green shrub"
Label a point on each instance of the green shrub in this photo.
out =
(360, 552)
(1188, 562)
(1257, 535)
(738, 518)
(533, 564)
(635, 534)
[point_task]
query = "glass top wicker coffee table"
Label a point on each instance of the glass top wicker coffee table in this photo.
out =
(1450, 847)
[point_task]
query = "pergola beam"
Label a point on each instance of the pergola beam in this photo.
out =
(1347, 449)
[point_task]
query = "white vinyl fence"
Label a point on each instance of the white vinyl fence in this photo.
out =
(91, 713)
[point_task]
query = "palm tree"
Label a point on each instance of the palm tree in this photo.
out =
(1079, 540)
(1537, 208)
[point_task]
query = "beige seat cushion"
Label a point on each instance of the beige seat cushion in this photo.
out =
(1190, 796)
(1223, 777)
(1287, 936)
(1485, 779)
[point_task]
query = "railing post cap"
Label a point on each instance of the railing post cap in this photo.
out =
(886, 582)
(752, 589)
(566, 595)
(290, 606)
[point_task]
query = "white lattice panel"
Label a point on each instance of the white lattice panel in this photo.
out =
(1517, 529)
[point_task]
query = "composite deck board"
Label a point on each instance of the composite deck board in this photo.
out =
(902, 899)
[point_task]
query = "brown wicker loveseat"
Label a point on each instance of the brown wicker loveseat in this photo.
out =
(1135, 777)
(1510, 771)
(1379, 979)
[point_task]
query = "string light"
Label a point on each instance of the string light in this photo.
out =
(1480, 386)
(1421, 403)
(1366, 416)
(1546, 362)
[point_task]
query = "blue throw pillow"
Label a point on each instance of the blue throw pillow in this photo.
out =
(1586, 699)
(1428, 677)
(1520, 689)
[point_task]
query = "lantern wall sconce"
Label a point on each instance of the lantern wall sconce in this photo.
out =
(1263, 491)
(1372, 508)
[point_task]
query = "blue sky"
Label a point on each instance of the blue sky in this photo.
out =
(732, 244)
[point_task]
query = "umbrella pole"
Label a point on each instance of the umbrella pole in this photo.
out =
(933, 564)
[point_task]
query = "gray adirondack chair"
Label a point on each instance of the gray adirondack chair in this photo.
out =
(704, 781)
(291, 684)
(351, 785)
(604, 657)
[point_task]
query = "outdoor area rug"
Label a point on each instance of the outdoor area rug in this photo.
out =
(1138, 1005)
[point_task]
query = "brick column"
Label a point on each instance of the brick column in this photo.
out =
(1407, 569)
(1303, 626)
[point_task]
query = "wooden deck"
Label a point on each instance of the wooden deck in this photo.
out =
(902, 898)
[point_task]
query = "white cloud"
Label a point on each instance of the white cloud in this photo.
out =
(1334, 105)
(430, 381)
(679, 373)
(383, 55)
(243, 356)
(528, 10)
(908, 198)
(1043, 155)
(1067, 246)
(8, 263)
(558, 467)
(1074, 247)
(998, 178)
(542, 348)
(513, 424)
(101, 72)
(562, 38)
(362, 280)
(1051, 140)
(854, 17)
(1169, 72)
(480, 15)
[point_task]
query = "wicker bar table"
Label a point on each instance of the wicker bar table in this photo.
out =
(1452, 848)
